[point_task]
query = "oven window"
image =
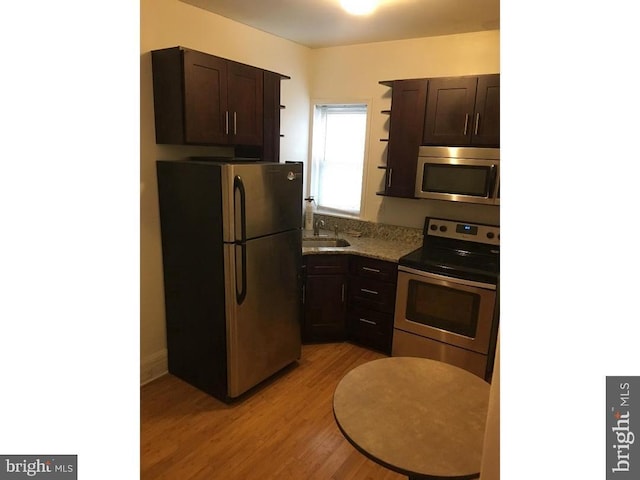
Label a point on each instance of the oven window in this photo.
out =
(456, 179)
(443, 307)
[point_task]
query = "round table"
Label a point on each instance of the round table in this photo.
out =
(419, 417)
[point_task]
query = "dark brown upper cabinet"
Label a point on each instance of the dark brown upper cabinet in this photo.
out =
(201, 99)
(272, 109)
(406, 123)
(463, 111)
(245, 101)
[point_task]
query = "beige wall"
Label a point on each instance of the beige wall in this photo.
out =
(332, 73)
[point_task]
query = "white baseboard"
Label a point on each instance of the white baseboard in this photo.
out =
(153, 366)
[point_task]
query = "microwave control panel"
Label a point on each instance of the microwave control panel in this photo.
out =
(489, 234)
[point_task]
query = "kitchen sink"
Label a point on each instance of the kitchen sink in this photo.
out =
(324, 242)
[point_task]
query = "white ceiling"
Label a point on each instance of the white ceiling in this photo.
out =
(323, 23)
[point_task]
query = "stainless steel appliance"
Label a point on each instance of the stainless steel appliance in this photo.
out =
(446, 299)
(460, 174)
(232, 258)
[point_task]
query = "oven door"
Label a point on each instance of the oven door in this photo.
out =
(449, 310)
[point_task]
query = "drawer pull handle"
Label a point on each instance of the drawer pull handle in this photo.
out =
(366, 290)
(368, 321)
(375, 270)
(326, 266)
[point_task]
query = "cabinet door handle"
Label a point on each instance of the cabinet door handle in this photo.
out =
(304, 291)
(367, 321)
(343, 293)
(466, 123)
(235, 124)
(366, 290)
(368, 269)
(477, 123)
(390, 171)
(226, 122)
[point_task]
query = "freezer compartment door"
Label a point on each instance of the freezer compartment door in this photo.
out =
(263, 290)
(260, 199)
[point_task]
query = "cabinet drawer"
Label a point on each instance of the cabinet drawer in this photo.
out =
(373, 268)
(373, 294)
(370, 328)
(326, 264)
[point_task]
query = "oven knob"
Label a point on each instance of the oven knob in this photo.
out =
(490, 235)
(443, 228)
(433, 227)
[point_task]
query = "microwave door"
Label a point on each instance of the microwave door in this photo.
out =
(471, 182)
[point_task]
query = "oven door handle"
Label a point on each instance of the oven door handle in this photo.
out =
(435, 276)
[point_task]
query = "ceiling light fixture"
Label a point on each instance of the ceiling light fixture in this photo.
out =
(359, 7)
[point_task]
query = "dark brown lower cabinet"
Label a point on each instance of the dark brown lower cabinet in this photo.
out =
(325, 298)
(349, 298)
(370, 328)
(372, 296)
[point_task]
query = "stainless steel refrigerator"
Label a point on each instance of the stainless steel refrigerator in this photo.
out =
(232, 258)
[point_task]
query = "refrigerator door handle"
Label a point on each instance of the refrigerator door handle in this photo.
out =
(238, 186)
(241, 293)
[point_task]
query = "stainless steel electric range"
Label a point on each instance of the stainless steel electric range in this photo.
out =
(447, 297)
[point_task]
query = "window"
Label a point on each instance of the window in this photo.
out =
(337, 163)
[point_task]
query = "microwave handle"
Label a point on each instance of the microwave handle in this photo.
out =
(493, 173)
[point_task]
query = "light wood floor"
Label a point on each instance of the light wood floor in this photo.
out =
(285, 430)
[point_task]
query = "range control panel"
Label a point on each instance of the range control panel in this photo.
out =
(489, 234)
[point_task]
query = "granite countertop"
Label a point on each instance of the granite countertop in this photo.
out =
(383, 249)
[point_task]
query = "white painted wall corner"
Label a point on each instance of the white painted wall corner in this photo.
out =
(154, 366)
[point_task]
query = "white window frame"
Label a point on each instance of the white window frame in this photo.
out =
(314, 164)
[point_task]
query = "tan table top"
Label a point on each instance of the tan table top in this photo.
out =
(415, 416)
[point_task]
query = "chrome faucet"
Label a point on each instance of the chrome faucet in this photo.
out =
(316, 227)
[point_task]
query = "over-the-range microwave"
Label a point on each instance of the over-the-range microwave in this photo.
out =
(460, 174)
